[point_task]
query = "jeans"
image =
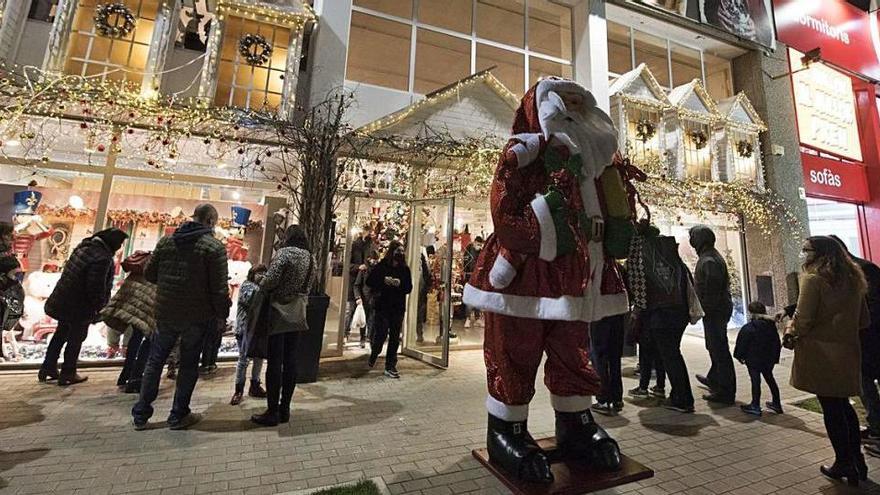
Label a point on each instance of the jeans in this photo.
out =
(192, 336)
(842, 426)
(241, 369)
(72, 333)
(649, 360)
(755, 375)
(721, 376)
(211, 347)
(669, 346)
(870, 397)
(607, 348)
(281, 371)
(135, 358)
(386, 325)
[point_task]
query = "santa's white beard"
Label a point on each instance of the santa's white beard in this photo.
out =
(594, 155)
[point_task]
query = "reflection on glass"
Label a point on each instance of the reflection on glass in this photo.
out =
(248, 85)
(550, 29)
(502, 21)
(43, 10)
(509, 66)
(194, 25)
(435, 50)
(378, 52)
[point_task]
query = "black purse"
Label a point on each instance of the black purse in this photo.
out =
(259, 319)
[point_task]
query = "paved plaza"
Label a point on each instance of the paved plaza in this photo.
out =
(416, 433)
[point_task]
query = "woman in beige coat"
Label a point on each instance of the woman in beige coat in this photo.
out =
(831, 310)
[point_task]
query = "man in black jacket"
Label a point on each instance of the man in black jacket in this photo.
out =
(390, 282)
(190, 271)
(712, 284)
(82, 291)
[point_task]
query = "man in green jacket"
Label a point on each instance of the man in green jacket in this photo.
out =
(190, 271)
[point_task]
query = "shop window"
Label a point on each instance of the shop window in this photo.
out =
(378, 52)
(91, 54)
(745, 163)
(399, 8)
(840, 219)
(653, 52)
(719, 76)
(193, 25)
(619, 49)
(509, 66)
(550, 29)
(455, 15)
(43, 10)
(440, 59)
(686, 64)
(245, 85)
(502, 21)
(539, 68)
(697, 151)
(643, 135)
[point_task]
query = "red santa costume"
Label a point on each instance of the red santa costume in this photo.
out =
(543, 276)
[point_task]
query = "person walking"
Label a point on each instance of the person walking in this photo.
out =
(189, 268)
(133, 307)
(758, 347)
(361, 250)
(246, 294)
(364, 296)
(606, 336)
(824, 333)
(712, 283)
(82, 291)
(287, 283)
(390, 282)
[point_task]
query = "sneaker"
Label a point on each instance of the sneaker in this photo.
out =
(236, 399)
(617, 406)
(139, 425)
(392, 374)
(727, 401)
(777, 408)
(681, 409)
(639, 392)
(658, 392)
(753, 409)
(703, 380)
(184, 423)
(603, 408)
(869, 435)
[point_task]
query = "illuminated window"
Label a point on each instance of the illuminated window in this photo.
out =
(378, 51)
(643, 133)
(550, 29)
(439, 50)
(509, 66)
(697, 150)
(117, 59)
(243, 85)
(745, 162)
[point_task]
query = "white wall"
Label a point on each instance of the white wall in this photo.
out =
(373, 102)
(32, 47)
(329, 47)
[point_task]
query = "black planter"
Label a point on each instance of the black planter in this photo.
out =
(308, 347)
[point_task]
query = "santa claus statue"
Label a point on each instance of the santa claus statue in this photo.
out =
(561, 214)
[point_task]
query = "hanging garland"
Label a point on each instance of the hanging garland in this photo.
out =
(699, 138)
(130, 216)
(645, 130)
(254, 49)
(114, 20)
(745, 148)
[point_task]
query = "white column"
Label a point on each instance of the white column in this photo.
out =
(59, 36)
(208, 79)
(161, 42)
(329, 47)
(291, 73)
(590, 44)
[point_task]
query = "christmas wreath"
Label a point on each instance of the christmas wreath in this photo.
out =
(699, 138)
(645, 130)
(745, 148)
(114, 20)
(254, 49)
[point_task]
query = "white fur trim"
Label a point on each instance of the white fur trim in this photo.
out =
(506, 412)
(566, 141)
(571, 404)
(548, 228)
(527, 149)
(565, 308)
(502, 273)
(556, 84)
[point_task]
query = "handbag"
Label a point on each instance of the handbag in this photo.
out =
(293, 312)
(695, 309)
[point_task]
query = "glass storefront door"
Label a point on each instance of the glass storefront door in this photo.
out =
(429, 310)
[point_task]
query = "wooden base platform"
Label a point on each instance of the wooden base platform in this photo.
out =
(572, 478)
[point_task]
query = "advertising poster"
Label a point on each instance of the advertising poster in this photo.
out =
(748, 19)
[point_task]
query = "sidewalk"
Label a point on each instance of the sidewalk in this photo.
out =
(416, 433)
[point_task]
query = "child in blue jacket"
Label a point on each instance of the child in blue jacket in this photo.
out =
(758, 347)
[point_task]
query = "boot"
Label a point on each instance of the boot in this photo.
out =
(284, 409)
(238, 395)
(512, 448)
(256, 390)
(268, 418)
(45, 375)
(579, 437)
(65, 380)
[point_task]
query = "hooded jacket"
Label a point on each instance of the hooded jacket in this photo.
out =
(85, 283)
(758, 344)
(191, 273)
(711, 279)
(550, 205)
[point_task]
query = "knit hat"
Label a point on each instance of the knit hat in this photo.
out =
(112, 237)
(8, 263)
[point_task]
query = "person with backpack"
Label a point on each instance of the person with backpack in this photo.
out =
(758, 347)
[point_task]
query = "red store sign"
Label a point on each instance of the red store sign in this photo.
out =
(848, 37)
(833, 179)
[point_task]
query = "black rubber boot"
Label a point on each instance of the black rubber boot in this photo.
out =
(512, 448)
(579, 437)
